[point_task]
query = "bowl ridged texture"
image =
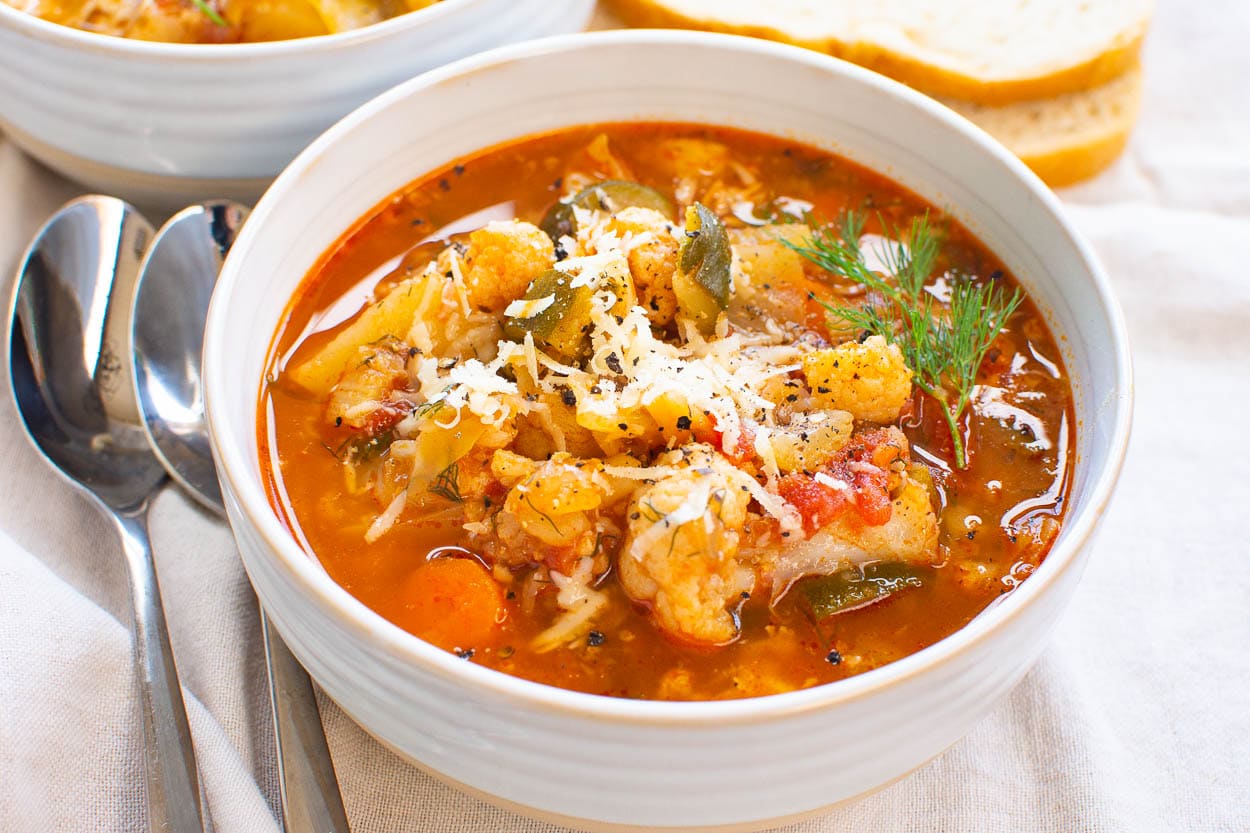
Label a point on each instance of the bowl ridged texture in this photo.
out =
(606, 761)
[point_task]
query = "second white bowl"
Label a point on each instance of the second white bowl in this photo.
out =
(169, 124)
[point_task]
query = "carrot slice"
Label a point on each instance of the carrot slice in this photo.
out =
(453, 603)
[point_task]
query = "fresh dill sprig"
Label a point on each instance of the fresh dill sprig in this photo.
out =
(427, 409)
(211, 13)
(943, 344)
(447, 484)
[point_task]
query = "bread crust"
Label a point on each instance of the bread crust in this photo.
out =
(1070, 165)
(1118, 57)
(1068, 138)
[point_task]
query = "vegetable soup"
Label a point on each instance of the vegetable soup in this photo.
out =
(667, 411)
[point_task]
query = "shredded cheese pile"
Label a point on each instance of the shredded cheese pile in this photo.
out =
(628, 367)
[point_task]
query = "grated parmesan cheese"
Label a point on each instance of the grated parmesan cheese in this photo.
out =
(825, 479)
(581, 604)
(522, 308)
(764, 448)
(382, 523)
(639, 472)
(722, 377)
(458, 284)
(691, 509)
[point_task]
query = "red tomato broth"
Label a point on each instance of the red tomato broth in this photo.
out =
(998, 517)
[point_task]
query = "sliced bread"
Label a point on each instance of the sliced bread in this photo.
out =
(983, 52)
(1066, 138)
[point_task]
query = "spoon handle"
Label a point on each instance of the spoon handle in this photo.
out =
(311, 802)
(173, 791)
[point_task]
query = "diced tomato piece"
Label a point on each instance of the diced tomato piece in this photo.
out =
(875, 446)
(386, 416)
(864, 467)
(742, 451)
(562, 559)
(872, 497)
(816, 503)
(495, 493)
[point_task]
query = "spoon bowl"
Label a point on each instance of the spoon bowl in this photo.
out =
(67, 350)
(168, 333)
(68, 361)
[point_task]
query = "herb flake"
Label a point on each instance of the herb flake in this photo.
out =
(447, 484)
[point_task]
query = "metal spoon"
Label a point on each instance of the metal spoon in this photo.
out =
(171, 304)
(67, 347)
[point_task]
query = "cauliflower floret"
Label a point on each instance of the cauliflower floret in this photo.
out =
(870, 380)
(680, 551)
(501, 261)
(652, 263)
(557, 501)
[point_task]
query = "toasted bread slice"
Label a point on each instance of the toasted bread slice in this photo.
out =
(984, 52)
(1066, 138)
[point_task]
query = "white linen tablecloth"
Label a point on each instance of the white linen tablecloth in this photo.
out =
(1137, 718)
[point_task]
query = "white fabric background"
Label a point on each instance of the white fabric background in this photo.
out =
(1137, 718)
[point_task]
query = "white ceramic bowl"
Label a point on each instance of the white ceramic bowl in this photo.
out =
(597, 761)
(168, 124)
